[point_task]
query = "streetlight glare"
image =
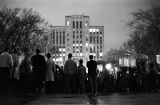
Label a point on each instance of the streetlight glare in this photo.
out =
(108, 66)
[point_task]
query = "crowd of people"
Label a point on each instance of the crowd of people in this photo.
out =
(24, 73)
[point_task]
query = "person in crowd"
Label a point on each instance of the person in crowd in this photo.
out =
(50, 71)
(17, 58)
(127, 78)
(25, 70)
(39, 69)
(92, 74)
(6, 63)
(152, 78)
(82, 76)
(70, 72)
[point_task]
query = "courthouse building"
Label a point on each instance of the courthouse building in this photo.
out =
(79, 38)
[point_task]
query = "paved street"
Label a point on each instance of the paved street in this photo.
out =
(108, 99)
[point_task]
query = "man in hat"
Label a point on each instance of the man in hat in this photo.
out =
(39, 67)
(70, 72)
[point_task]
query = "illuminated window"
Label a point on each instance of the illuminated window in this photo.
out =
(67, 23)
(86, 44)
(90, 30)
(100, 54)
(86, 23)
(81, 54)
(94, 30)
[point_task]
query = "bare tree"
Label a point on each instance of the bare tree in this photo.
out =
(145, 30)
(16, 27)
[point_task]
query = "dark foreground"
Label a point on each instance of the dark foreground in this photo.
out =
(85, 99)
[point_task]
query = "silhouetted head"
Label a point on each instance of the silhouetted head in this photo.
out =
(37, 51)
(70, 55)
(80, 61)
(48, 55)
(90, 57)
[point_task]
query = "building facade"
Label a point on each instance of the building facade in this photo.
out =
(79, 38)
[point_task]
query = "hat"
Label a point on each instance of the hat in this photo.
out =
(70, 55)
(37, 51)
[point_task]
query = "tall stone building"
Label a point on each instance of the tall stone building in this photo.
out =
(79, 38)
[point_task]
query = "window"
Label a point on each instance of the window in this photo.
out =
(63, 39)
(97, 39)
(67, 39)
(80, 36)
(67, 23)
(86, 23)
(80, 50)
(73, 42)
(53, 37)
(57, 39)
(86, 39)
(77, 36)
(94, 50)
(73, 36)
(80, 24)
(90, 39)
(73, 49)
(60, 39)
(76, 24)
(90, 50)
(94, 39)
(100, 40)
(73, 24)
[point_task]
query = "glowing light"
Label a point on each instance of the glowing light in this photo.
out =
(67, 23)
(86, 44)
(60, 59)
(53, 59)
(108, 66)
(80, 54)
(94, 30)
(90, 30)
(60, 49)
(100, 67)
(100, 54)
(158, 59)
